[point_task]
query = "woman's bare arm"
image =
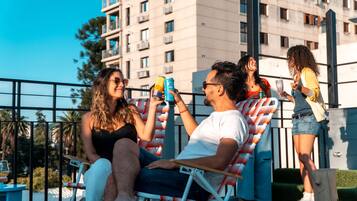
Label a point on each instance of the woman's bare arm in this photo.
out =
(86, 136)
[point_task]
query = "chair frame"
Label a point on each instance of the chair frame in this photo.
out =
(258, 113)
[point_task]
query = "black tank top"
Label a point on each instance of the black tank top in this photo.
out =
(103, 140)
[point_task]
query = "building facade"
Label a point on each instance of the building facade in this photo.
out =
(174, 38)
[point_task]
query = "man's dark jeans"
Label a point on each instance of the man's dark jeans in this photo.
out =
(165, 182)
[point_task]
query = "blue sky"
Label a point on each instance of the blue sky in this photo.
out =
(37, 38)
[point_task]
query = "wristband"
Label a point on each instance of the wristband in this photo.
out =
(185, 110)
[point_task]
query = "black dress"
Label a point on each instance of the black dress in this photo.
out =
(104, 141)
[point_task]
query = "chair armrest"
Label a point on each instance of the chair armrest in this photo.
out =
(70, 157)
(193, 165)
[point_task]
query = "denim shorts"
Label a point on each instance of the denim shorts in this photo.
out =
(306, 125)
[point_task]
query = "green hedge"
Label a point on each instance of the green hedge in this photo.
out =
(287, 185)
(39, 179)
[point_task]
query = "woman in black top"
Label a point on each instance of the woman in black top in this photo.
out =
(109, 134)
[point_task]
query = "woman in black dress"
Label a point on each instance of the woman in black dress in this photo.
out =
(111, 126)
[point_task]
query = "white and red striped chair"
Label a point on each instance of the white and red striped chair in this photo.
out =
(155, 146)
(258, 113)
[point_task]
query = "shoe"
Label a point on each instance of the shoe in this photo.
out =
(307, 197)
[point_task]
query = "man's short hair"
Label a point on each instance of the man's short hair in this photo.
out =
(228, 77)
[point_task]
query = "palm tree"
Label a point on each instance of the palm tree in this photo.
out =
(70, 124)
(8, 131)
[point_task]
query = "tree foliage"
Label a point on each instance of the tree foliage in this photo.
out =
(90, 57)
(70, 128)
(8, 130)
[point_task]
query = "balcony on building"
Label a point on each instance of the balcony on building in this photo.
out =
(113, 28)
(143, 17)
(168, 69)
(111, 54)
(109, 5)
(168, 39)
(143, 73)
(168, 9)
(143, 45)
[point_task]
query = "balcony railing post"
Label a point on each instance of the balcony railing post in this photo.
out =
(13, 114)
(18, 111)
(46, 160)
(194, 105)
(75, 138)
(16, 131)
(60, 160)
(31, 162)
(253, 29)
(54, 103)
(331, 58)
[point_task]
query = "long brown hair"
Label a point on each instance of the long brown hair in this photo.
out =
(103, 118)
(242, 72)
(302, 57)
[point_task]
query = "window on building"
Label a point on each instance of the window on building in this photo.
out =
(128, 69)
(355, 29)
(145, 87)
(284, 41)
(144, 35)
(312, 19)
(113, 44)
(263, 38)
(168, 1)
(242, 54)
(127, 17)
(128, 42)
(326, 1)
(144, 62)
(263, 9)
(312, 45)
(345, 3)
(284, 14)
(169, 56)
(144, 6)
(243, 6)
(243, 32)
(346, 27)
(169, 26)
(355, 5)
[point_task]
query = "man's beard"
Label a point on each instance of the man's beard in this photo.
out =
(206, 102)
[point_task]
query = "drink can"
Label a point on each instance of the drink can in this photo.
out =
(159, 87)
(169, 85)
(261, 94)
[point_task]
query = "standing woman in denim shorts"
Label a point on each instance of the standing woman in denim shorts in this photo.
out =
(306, 96)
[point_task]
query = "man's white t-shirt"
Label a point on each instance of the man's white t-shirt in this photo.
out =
(206, 137)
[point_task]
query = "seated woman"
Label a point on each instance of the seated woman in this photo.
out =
(110, 123)
(256, 184)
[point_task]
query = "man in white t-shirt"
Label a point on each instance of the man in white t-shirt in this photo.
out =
(212, 143)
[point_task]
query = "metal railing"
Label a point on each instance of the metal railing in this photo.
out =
(283, 148)
(111, 52)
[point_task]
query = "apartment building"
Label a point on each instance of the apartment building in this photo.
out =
(174, 38)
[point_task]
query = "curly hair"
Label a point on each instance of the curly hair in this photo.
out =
(302, 57)
(103, 118)
(242, 71)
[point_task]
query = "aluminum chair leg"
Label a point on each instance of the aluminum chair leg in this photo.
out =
(187, 188)
(208, 186)
(228, 194)
(80, 172)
